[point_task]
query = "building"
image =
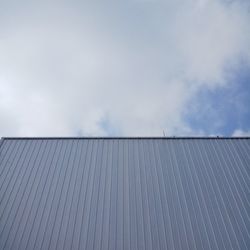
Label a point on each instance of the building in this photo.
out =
(125, 193)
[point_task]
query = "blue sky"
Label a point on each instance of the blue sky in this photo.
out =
(125, 68)
(224, 110)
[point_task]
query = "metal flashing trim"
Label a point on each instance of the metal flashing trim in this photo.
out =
(126, 137)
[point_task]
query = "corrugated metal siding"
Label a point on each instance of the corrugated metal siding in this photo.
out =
(125, 194)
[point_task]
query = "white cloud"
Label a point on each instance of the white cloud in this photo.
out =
(64, 69)
(241, 133)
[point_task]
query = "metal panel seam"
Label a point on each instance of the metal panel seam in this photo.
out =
(1, 142)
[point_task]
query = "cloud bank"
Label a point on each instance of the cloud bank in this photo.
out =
(116, 68)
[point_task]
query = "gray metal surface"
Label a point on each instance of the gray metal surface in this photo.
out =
(158, 193)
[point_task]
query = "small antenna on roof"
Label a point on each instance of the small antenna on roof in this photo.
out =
(164, 133)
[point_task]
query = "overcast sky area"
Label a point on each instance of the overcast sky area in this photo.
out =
(125, 68)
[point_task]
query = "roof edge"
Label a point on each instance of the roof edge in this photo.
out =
(120, 137)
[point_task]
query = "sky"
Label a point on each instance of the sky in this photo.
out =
(125, 68)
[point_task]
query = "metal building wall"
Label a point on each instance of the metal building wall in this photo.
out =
(124, 193)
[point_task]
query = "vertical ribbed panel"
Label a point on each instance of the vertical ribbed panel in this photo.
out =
(125, 193)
